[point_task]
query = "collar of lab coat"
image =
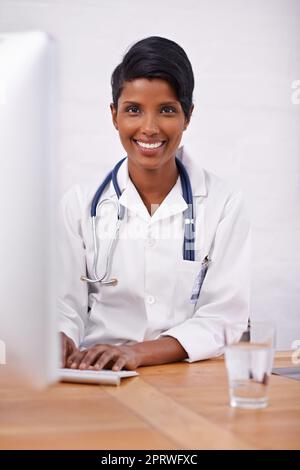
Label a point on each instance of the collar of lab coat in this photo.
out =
(173, 203)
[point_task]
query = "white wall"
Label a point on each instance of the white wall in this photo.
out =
(246, 59)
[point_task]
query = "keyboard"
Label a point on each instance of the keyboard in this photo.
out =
(108, 377)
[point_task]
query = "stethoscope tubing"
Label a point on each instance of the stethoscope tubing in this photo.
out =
(189, 223)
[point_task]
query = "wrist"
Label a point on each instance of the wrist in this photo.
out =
(138, 353)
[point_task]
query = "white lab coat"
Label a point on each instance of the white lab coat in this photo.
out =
(152, 297)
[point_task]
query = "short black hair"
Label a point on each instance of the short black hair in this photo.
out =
(157, 57)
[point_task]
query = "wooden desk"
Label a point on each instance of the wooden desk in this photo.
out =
(177, 406)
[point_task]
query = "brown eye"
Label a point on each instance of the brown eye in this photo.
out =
(168, 110)
(132, 109)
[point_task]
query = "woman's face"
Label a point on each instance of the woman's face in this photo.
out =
(150, 121)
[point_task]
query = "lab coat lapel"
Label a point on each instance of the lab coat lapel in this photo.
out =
(131, 199)
(171, 205)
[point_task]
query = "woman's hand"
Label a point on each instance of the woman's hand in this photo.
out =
(67, 348)
(159, 351)
(105, 356)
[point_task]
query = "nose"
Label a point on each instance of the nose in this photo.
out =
(149, 125)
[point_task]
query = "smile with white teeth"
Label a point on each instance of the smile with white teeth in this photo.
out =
(149, 146)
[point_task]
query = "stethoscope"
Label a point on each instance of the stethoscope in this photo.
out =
(189, 238)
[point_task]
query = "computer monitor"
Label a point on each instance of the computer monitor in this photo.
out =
(28, 331)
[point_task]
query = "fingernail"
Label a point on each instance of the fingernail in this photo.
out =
(74, 365)
(82, 366)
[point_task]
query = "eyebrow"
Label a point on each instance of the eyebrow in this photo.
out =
(167, 103)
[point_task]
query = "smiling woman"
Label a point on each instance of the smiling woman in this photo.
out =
(150, 121)
(177, 264)
(152, 106)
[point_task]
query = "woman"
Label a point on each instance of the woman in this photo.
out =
(155, 313)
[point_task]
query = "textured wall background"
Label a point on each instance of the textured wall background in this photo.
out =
(246, 124)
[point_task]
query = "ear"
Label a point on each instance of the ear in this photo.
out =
(114, 115)
(187, 121)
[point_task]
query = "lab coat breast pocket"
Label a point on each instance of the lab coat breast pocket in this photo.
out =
(188, 274)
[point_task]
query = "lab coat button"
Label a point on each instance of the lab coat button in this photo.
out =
(150, 242)
(150, 299)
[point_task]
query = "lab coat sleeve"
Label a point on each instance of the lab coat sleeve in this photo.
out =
(73, 293)
(225, 292)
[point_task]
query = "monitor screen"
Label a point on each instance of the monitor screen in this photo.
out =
(28, 333)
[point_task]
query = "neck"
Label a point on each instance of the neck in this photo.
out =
(153, 185)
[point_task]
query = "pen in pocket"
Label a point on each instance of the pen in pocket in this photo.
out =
(199, 280)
